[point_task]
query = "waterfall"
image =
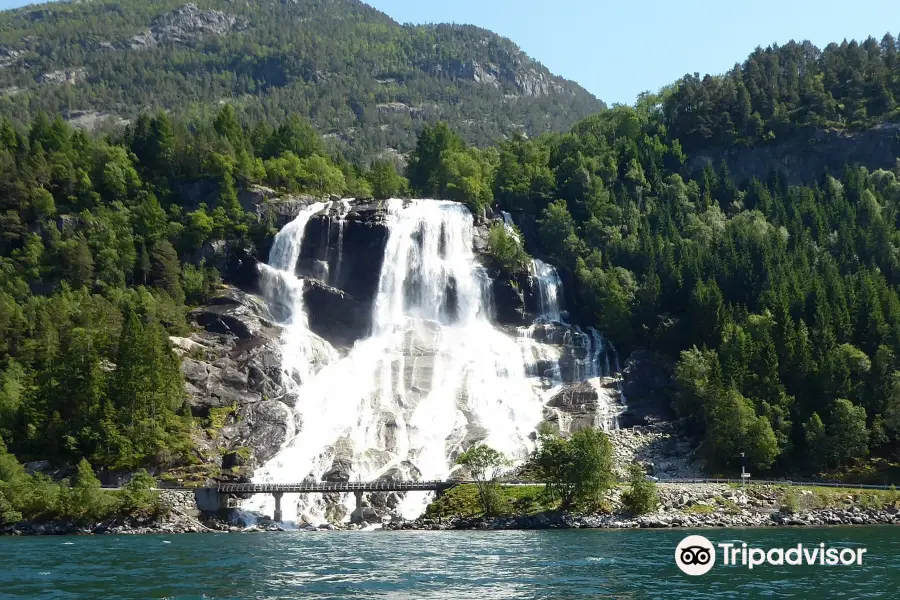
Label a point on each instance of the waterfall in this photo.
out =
(284, 291)
(434, 377)
(342, 222)
(548, 287)
(510, 226)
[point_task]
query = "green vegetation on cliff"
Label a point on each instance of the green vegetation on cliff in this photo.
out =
(777, 304)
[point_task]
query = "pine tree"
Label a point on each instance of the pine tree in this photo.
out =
(165, 270)
(130, 391)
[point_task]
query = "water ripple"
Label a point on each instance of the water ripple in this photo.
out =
(425, 565)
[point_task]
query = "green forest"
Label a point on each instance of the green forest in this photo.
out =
(365, 81)
(780, 90)
(777, 306)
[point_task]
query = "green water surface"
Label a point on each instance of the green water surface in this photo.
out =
(418, 565)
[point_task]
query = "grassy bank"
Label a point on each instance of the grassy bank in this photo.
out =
(462, 501)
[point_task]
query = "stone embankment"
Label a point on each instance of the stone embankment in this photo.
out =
(699, 506)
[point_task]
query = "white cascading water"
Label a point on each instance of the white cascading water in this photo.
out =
(342, 222)
(548, 287)
(433, 378)
(591, 364)
(510, 225)
(284, 290)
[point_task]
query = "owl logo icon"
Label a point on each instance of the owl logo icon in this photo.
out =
(695, 555)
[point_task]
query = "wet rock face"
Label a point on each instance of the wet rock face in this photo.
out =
(575, 407)
(346, 252)
(583, 405)
(514, 299)
(336, 315)
(648, 389)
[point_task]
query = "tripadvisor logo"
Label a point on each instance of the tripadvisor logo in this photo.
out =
(696, 555)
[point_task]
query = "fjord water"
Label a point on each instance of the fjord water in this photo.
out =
(435, 374)
(629, 564)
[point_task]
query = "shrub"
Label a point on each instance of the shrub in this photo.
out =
(641, 497)
(506, 250)
(790, 502)
(577, 470)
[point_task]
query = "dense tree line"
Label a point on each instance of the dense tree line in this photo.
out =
(359, 76)
(104, 244)
(783, 88)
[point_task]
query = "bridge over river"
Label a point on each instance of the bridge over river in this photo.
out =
(215, 498)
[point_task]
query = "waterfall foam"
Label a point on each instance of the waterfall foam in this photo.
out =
(548, 286)
(284, 291)
(434, 377)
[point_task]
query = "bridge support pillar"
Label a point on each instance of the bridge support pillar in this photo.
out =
(356, 517)
(278, 517)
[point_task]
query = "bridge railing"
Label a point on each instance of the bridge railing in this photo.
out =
(347, 486)
(399, 486)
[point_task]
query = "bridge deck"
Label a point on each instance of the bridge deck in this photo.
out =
(327, 486)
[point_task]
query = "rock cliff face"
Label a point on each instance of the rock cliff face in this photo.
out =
(808, 154)
(184, 24)
(233, 376)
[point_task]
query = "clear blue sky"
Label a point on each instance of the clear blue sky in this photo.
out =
(619, 49)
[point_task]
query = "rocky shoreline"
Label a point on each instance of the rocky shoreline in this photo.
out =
(852, 516)
(697, 506)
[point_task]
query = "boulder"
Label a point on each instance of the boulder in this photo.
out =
(339, 471)
(235, 313)
(335, 315)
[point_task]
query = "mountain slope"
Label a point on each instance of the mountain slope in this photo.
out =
(361, 77)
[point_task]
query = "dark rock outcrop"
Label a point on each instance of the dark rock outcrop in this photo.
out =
(335, 315)
(273, 207)
(346, 252)
(648, 389)
(807, 154)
